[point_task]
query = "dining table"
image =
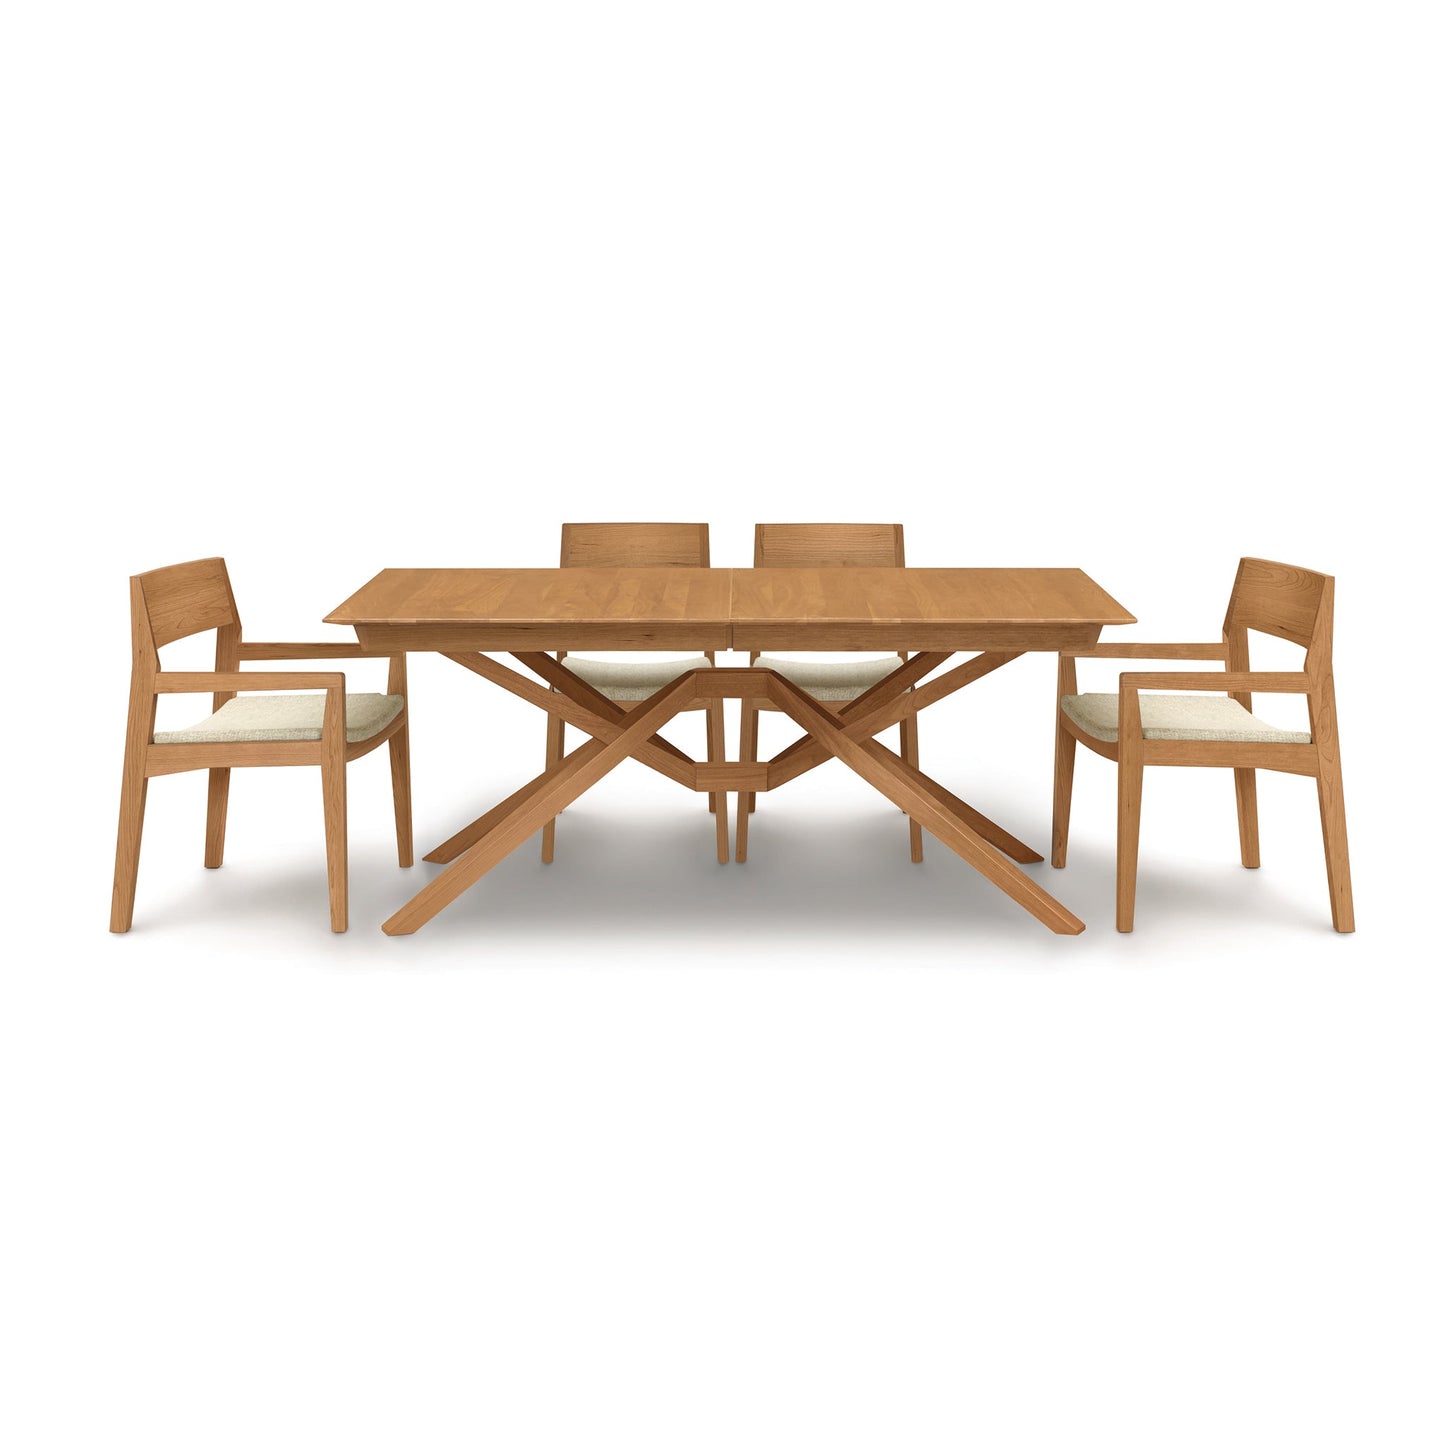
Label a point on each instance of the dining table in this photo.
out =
(476, 616)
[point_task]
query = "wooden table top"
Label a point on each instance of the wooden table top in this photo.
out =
(912, 607)
(544, 608)
(826, 608)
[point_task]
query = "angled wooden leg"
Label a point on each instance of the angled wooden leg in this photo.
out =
(512, 822)
(333, 802)
(1331, 786)
(1131, 788)
(140, 723)
(717, 753)
(946, 817)
(1246, 802)
(218, 790)
(556, 745)
(908, 751)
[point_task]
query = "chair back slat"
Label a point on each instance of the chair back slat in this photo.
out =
(1278, 599)
(828, 544)
(187, 598)
(634, 544)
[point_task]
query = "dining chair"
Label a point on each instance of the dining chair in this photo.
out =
(281, 728)
(832, 683)
(628, 683)
(1136, 730)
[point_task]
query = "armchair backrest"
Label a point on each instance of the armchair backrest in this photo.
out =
(634, 544)
(828, 544)
(175, 602)
(1288, 602)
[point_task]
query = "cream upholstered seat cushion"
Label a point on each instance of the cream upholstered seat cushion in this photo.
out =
(287, 717)
(1177, 717)
(834, 681)
(631, 681)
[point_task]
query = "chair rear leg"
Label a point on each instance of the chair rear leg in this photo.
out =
(1131, 788)
(1065, 748)
(556, 745)
(1337, 846)
(218, 792)
(399, 746)
(1246, 801)
(717, 753)
(127, 850)
(908, 751)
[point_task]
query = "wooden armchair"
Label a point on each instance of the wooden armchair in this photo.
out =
(328, 729)
(827, 544)
(1135, 729)
(637, 544)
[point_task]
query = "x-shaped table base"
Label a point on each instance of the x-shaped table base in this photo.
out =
(617, 733)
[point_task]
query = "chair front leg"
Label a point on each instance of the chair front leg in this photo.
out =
(1065, 748)
(1131, 789)
(218, 791)
(1246, 802)
(139, 727)
(399, 747)
(333, 802)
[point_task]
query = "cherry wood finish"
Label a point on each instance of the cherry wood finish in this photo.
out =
(171, 603)
(1288, 602)
(466, 609)
(703, 609)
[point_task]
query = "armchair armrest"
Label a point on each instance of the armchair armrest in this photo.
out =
(249, 681)
(1185, 651)
(1214, 682)
(299, 651)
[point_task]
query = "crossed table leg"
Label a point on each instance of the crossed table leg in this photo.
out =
(847, 734)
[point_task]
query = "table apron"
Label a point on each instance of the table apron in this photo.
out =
(911, 636)
(394, 637)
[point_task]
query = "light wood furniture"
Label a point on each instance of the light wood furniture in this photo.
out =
(1137, 731)
(465, 614)
(637, 544)
(325, 731)
(826, 544)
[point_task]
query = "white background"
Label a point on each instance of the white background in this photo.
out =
(828, 1147)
